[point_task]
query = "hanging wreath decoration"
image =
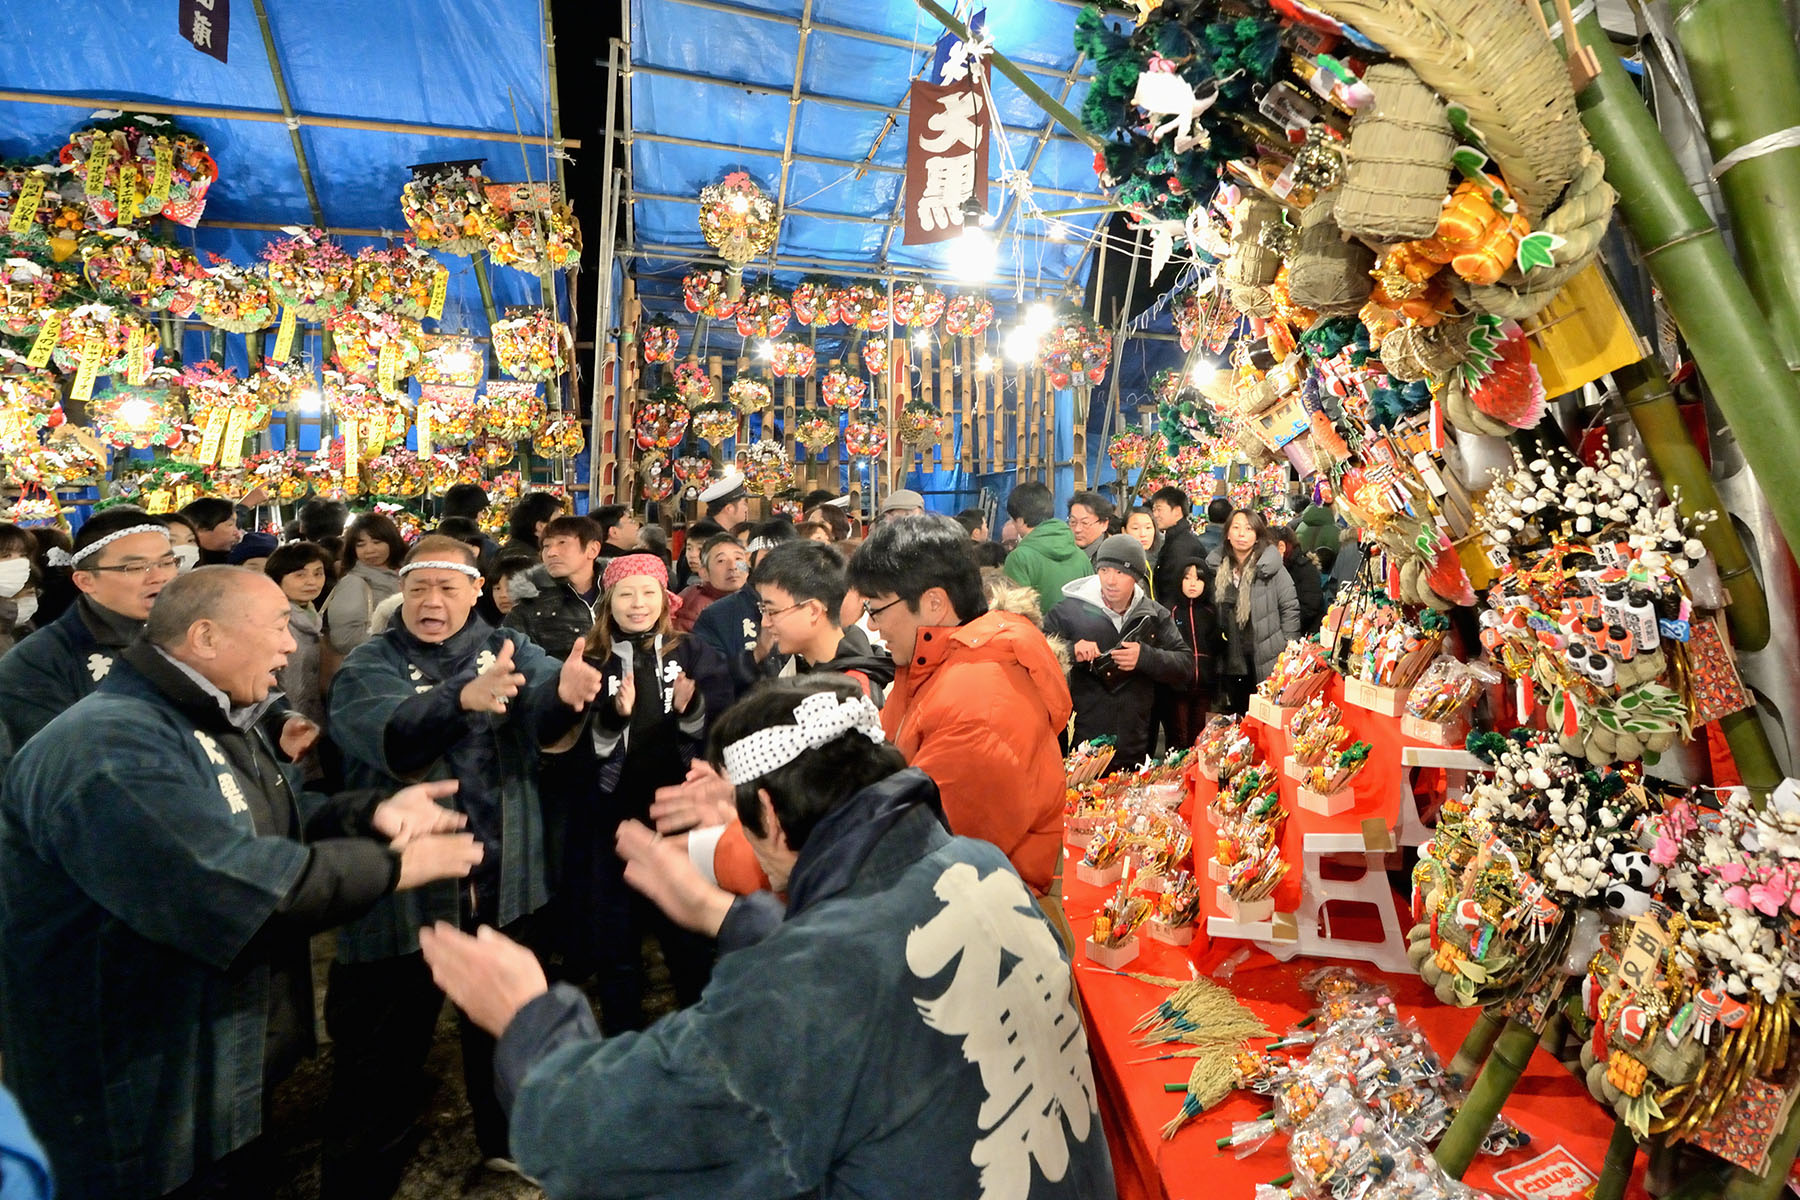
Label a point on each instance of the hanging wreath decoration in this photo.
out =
(792, 359)
(918, 306)
(841, 389)
(692, 384)
(817, 431)
(767, 468)
(661, 338)
(875, 355)
(144, 272)
(26, 290)
(704, 292)
(750, 395)
(813, 303)
(73, 457)
(138, 416)
(561, 437)
(374, 345)
(660, 421)
(529, 345)
(737, 218)
(655, 476)
(281, 473)
(310, 273)
(17, 182)
(921, 424)
(444, 469)
(447, 208)
(234, 298)
(865, 436)
(1074, 348)
(137, 167)
(715, 421)
(493, 453)
(968, 316)
(532, 238)
(762, 313)
(862, 306)
(512, 412)
(117, 339)
(1129, 451)
(453, 419)
(398, 472)
(30, 400)
(693, 472)
(402, 279)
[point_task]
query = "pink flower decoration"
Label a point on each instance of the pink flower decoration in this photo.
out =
(1665, 851)
(1730, 872)
(1737, 897)
(1768, 899)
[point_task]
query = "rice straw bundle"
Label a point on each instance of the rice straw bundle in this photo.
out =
(1398, 162)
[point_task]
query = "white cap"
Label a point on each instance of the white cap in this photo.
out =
(722, 487)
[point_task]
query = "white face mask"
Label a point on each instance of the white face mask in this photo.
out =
(15, 573)
(27, 609)
(186, 557)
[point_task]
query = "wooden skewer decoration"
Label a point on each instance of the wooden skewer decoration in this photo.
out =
(1584, 67)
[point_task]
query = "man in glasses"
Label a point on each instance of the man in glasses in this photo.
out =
(121, 562)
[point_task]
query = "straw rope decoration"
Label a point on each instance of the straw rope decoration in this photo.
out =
(1492, 58)
(1213, 1024)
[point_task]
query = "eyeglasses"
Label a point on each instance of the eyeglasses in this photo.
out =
(768, 612)
(876, 612)
(168, 563)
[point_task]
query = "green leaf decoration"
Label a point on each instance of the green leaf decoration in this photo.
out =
(1458, 116)
(1469, 163)
(1484, 349)
(1539, 250)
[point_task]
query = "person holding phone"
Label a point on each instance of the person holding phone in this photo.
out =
(1123, 644)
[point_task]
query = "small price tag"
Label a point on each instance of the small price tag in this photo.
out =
(284, 337)
(128, 194)
(98, 158)
(25, 204)
(12, 426)
(165, 170)
(45, 345)
(440, 290)
(424, 424)
(352, 453)
(235, 431)
(185, 494)
(387, 367)
(212, 433)
(93, 352)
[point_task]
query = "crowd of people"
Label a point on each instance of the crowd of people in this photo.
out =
(821, 766)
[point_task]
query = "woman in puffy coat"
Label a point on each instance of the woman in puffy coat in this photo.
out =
(1257, 608)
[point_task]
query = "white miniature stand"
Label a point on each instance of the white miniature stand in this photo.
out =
(1371, 887)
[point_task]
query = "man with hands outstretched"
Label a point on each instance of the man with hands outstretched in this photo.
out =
(161, 874)
(441, 695)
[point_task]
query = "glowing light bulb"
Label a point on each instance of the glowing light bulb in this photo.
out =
(740, 203)
(765, 349)
(921, 338)
(975, 255)
(136, 413)
(310, 401)
(1203, 375)
(985, 364)
(1039, 318)
(1022, 344)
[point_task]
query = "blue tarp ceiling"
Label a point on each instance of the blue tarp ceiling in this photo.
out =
(860, 58)
(427, 62)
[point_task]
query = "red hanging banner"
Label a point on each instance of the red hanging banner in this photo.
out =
(948, 128)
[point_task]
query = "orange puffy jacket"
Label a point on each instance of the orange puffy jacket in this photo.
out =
(978, 708)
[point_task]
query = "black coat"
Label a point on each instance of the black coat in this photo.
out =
(1120, 710)
(1308, 589)
(1181, 545)
(553, 616)
(1199, 626)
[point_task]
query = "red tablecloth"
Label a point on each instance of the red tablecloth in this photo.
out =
(1569, 1130)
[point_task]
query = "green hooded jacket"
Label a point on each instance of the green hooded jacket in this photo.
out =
(1047, 559)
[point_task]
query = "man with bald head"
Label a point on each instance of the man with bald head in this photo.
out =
(440, 695)
(161, 874)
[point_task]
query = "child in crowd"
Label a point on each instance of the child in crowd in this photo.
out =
(661, 694)
(800, 592)
(1186, 705)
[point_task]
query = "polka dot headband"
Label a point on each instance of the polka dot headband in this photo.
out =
(820, 718)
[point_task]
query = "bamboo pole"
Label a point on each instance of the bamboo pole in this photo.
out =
(1687, 257)
(266, 117)
(1621, 1153)
(1474, 1050)
(1038, 96)
(1726, 43)
(1506, 1062)
(287, 113)
(486, 287)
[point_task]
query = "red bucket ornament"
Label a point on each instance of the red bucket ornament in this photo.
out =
(875, 355)
(661, 339)
(917, 306)
(762, 313)
(840, 389)
(968, 316)
(704, 292)
(661, 421)
(792, 359)
(813, 302)
(1074, 349)
(693, 473)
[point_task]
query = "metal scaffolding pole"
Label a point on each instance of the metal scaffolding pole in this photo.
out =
(793, 118)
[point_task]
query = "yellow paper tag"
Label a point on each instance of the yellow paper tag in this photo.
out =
(128, 194)
(93, 352)
(135, 367)
(25, 205)
(440, 288)
(235, 432)
(424, 422)
(284, 337)
(352, 456)
(185, 494)
(165, 170)
(387, 364)
(98, 157)
(212, 431)
(45, 345)
(12, 426)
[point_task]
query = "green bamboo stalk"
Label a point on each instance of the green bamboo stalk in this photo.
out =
(1506, 1062)
(1650, 403)
(486, 288)
(1621, 1154)
(1687, 257)
(1726, 43)
(1038, 96)
(1474, 1050)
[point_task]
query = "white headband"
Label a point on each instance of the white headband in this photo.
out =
(441, 565)
(58, 557)
(818, 719)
